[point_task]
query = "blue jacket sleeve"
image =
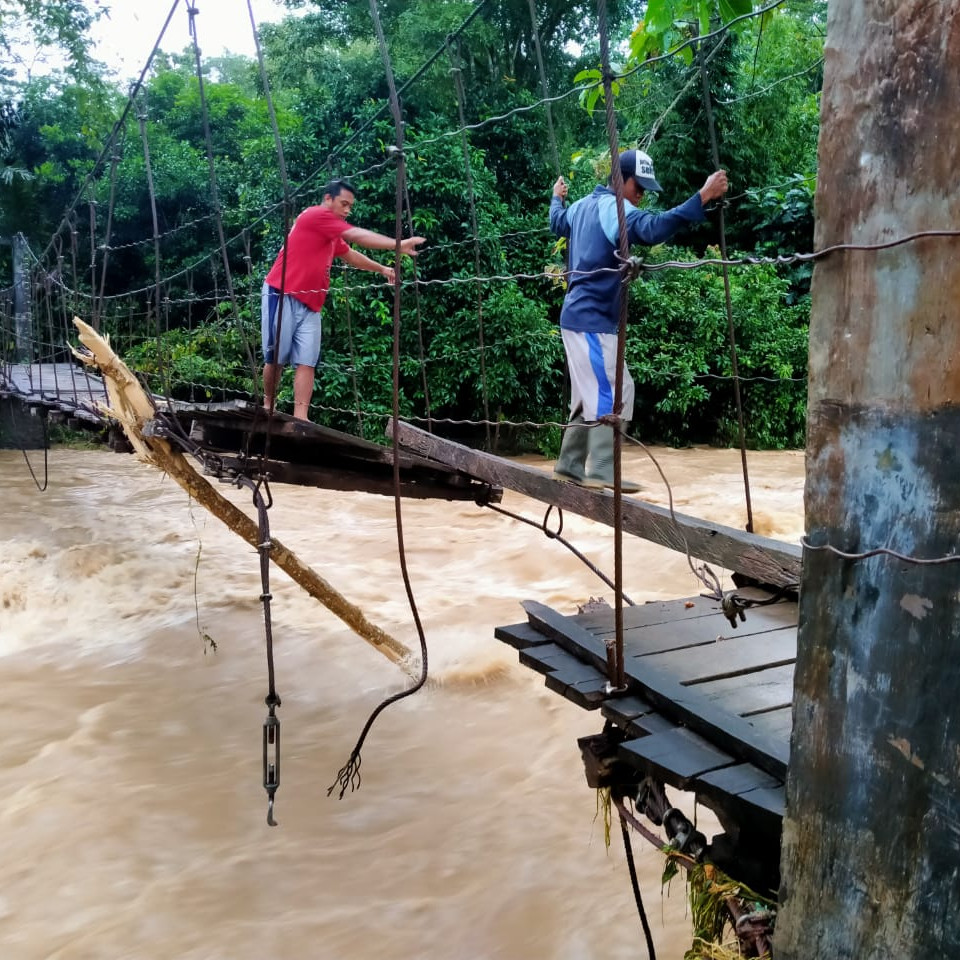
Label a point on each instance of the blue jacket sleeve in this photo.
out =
(558, 218)
(651, 228)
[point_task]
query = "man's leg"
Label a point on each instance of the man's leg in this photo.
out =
(600, 440)
(302, 390)
(271, 375)
(272, 371)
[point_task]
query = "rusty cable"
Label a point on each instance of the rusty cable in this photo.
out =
(731, 327)
(456, 71)
(616, 665)
(271, 725)
(556, 535)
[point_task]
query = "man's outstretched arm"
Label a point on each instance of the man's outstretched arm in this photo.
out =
(378, 241)
(362, 262)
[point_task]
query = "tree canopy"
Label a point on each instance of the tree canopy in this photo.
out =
(70, 169)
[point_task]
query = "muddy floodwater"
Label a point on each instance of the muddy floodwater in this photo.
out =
(134, 816)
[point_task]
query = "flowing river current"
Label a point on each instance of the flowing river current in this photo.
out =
(131, 796)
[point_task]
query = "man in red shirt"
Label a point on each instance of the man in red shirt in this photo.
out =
(290, 324)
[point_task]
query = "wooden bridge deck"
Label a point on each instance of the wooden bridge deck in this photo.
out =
(708, 707)
(64, 387)
(240, 438)
(236, 436)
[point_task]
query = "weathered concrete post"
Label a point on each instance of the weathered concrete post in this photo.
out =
(871, 851)
(22, 325)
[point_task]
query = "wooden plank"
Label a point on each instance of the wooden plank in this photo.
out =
(762, 691)
(766, 560)
(775, 723)
(635, 716)
(56, 380)
(756, 620)
(648, 614)
(520, 635)
(699, 631)
(587, 694)
(772, 800)
(649, 724)
(550, 659)
(728, 656)
(679, 703)
(752, 798)
(678, 756)
(308, 454)
(739, 779)
(622, 709)
(352, 478)
(707, 618)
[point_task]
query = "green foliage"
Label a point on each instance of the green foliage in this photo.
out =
(34, 32)
(327, 81)
(679, 354)
(209, 362)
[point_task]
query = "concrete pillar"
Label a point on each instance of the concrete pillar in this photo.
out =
(871, 849)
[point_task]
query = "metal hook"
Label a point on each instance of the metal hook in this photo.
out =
(270, 820)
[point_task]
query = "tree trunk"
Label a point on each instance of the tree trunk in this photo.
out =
(871, 844)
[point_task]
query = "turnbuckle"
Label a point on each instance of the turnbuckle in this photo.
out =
(271, 760)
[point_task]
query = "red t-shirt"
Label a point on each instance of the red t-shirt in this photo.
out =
(313, 242)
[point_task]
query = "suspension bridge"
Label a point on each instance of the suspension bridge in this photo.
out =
(699, 693)
(638, 664)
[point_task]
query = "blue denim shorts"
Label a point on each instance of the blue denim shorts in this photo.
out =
(299, 340)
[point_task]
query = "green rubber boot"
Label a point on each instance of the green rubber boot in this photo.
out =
(600, 459)
(573, 454)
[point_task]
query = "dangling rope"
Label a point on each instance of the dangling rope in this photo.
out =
(635, 884)
(456, 71)
(349, 773)
(615, 664)
(734, 367)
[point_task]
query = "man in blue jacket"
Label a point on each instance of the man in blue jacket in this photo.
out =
(590, 317)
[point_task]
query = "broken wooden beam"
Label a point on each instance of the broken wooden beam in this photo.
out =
(761, 558)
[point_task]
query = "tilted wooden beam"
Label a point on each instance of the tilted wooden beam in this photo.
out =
(763, 558)
(132, 409)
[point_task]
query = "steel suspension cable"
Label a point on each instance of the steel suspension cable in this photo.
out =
(192, 12)
(271, 725)
(92, 206)
(148, 169)
(107, 232)
(131, 97)
(544, 87)
(416, 76)
(417, 304)
(615, 663)
(731, 327)
(353, 358)
(287, 206)
(472, 197)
